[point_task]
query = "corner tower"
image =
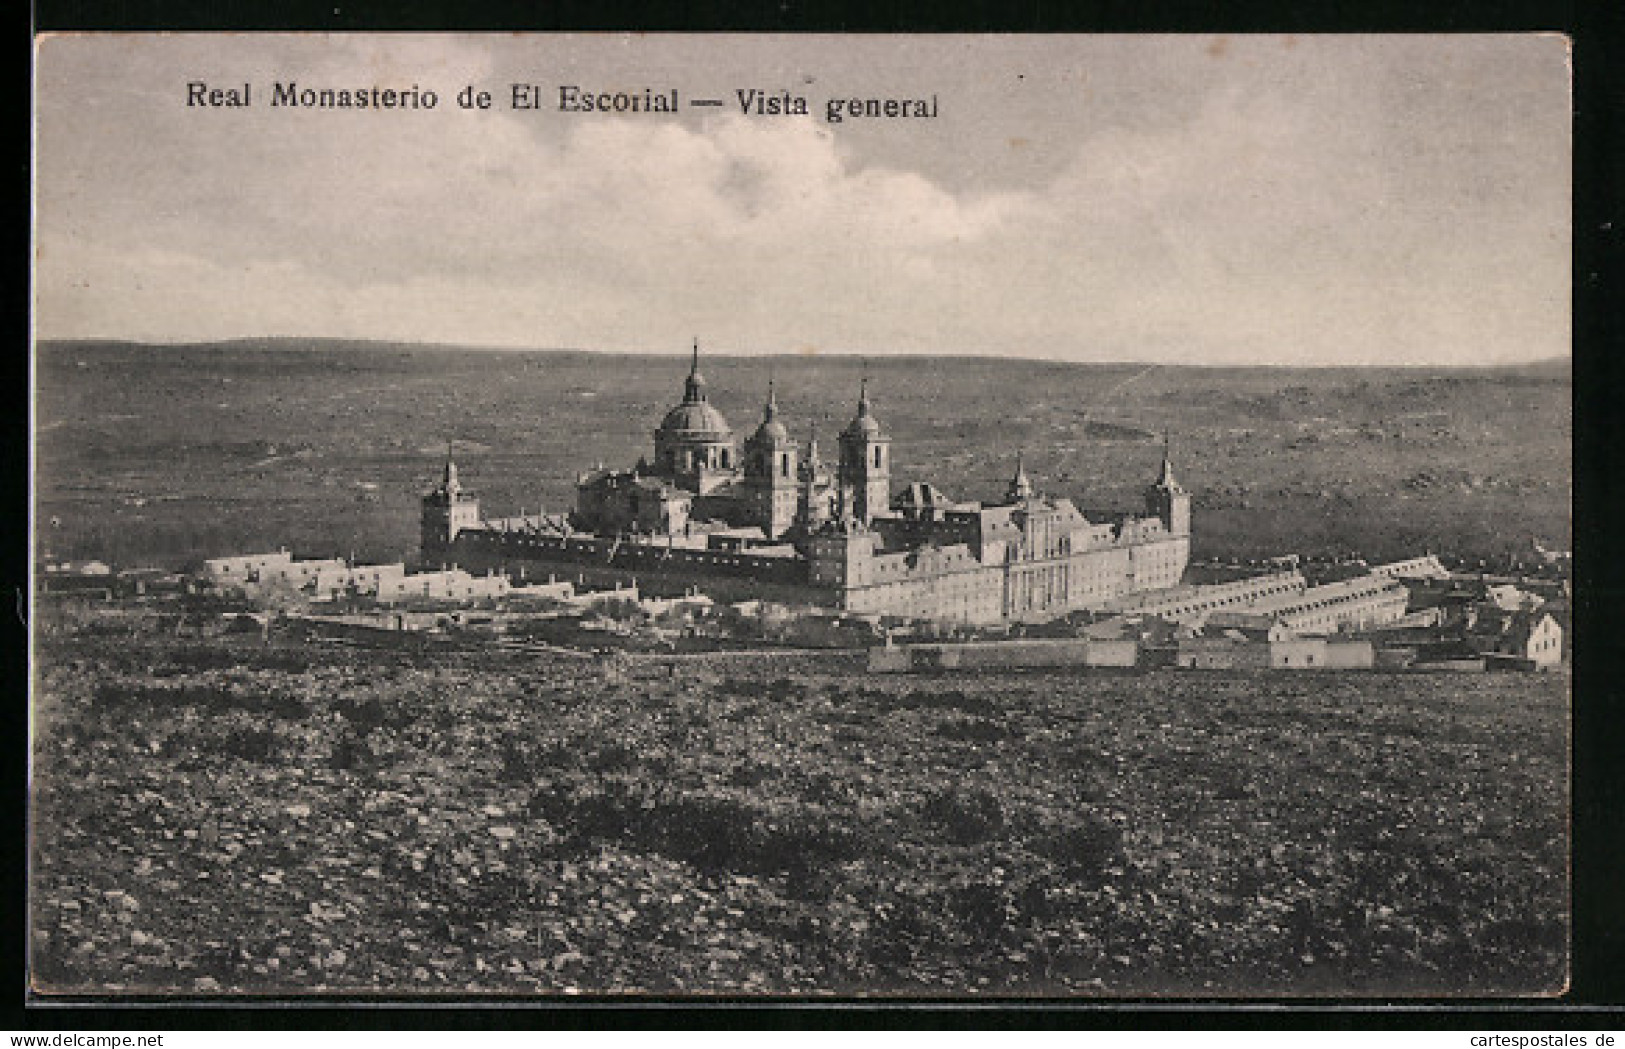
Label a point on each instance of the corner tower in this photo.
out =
(447, 511)
(1167, 498)
(865, 467)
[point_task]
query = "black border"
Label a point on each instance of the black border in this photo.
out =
(1596, 1000)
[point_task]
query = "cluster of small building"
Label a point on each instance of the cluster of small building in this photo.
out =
(334, 579)
(1407, 614)
(99, 579)
(325, 580)
(563, 601)
(1526, 641)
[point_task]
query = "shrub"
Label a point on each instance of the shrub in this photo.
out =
(974, 730)
(287, 660)
(110, 698)
(518, 761)
(902, 930)
(984, 907)
(956, 699)
(785, 689)
(478, 895)
(551, 802)
(364, 716)
(195, 658)
(610, 756)
(351, 752)
(951, 699)
(800, 848)
(965, 816)
(750, 774)
(1086, 848)
(713, 832)
(253, 744)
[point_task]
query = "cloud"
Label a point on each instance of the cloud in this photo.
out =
(733, 219)
(1307, 217)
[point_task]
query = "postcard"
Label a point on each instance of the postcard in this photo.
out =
(959, 517)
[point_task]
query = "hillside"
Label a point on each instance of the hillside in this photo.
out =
(167, 454)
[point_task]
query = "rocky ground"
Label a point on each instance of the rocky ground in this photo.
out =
(222, 817)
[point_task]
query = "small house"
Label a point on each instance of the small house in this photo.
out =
(1533, 636)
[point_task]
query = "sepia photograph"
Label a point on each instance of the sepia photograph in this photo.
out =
(785, 518)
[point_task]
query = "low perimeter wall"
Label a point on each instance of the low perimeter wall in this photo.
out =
(1068, 652)
(898, 659)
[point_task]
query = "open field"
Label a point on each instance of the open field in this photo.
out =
(169, 454)
(222, 816)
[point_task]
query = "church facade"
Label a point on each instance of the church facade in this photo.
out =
(768, 518)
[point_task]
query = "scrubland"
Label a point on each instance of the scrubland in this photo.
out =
(224, 816)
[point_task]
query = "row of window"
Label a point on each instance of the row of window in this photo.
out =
(1217, 599)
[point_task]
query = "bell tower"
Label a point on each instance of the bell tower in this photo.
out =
(771, 472)
(865, 466)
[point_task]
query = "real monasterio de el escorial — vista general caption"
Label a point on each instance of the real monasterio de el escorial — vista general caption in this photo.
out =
(571, 98)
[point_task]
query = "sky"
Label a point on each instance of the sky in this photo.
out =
(1167, 199)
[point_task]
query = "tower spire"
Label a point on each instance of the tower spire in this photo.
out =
(1165, 477)
(449, 479)
(694, 388)
(1021, 486)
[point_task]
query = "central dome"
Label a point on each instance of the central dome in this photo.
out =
(696, 419)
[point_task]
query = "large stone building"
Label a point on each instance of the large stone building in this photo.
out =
(771, 520)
